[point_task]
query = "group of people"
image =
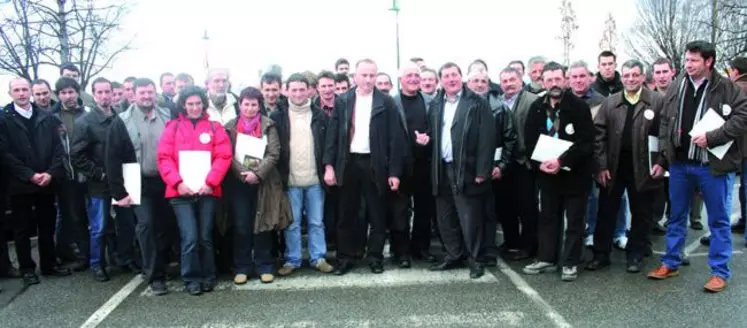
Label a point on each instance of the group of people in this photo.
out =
(225, 182)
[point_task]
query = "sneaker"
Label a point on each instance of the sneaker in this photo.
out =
(697, 225)
(240, 279)
(589, 241)
(621, 242)
(570, 273)
(323, 266)
(286, 269)
(158, 287)
(539, 267)
(193, 289)
(266, 278)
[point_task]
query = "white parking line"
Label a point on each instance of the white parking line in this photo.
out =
(97, 317)
(533, 295)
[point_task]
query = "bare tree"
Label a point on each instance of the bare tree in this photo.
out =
(21, 44)
(568, 26)
(728, 27)
(609, 35)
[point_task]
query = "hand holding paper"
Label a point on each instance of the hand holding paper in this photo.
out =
(549, 148)
(709, 122)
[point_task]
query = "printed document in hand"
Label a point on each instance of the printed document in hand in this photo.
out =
(194, 166)
(653, 152)
(550, 148)
(247, 145)
(132, 181)
(711, 121)
(498, 154)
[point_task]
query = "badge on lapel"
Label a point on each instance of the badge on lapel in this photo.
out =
(205, 138)
(726, 109)
(648, 114)
(569, 130)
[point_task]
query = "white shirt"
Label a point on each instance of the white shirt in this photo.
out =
(361, 143)
(450, 109)
(26, 113)
(222, 115)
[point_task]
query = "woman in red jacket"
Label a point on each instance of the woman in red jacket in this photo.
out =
(192, 138)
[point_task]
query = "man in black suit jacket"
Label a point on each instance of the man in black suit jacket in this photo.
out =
(563, 181)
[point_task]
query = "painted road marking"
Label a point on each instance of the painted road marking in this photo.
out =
(97, 317)
(523, 286)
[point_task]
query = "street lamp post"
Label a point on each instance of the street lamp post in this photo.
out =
(206, 41)
(395, 9)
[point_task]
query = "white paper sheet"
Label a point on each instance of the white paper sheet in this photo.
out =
(132, 182)
(498, 153)
(653, 147)
(550, 148)
(711, 121)
(247, 145)
(194, 167)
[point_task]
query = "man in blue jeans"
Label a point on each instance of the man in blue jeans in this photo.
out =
(301, 128)
(692, 162)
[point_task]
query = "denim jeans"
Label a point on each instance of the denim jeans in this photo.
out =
(196, 218)
(592, 211)
(249, 248)
(311, 199)
(98, 217)
(717, 195)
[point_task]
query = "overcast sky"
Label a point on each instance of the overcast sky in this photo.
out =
(247, 36)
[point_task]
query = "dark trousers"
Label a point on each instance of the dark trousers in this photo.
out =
(550, 226)
(152, 229)
(516, 207)
(424, 205)
(331, 210)
(251, 251)
(489, 244)
(196, 219)
(398, 218)
(460, 219)
(5, 264)
(641, 214)
(25, 223)
(660, 205)
(358, 181)
(71, 203)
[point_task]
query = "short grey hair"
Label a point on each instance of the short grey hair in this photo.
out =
(213, 71)
(633, 63)
(537, 60)
(511, 70)
(580, 64)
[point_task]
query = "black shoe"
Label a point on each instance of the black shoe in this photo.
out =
(80, 265)
(648, 252)
(404, 263)
(443, 266)
(738, 227)
(598, 264)
(659, 229)
(158, 287)
(685, 260)
(376, 267)
(696, 225)
(342, 268)
(193, 289)
(99, 274)
(424, 256)
(132, 267)
(207, 287)
(12, 272)
(490, 262)
(634, 266)
(514, 254)
(30, 278)
(56, 271)
(705, 241)
(476, 270)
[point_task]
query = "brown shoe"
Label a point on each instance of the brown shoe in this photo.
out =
(663, 272)
(323, 266)
(715, 284)
(266, 278)
(285, 270)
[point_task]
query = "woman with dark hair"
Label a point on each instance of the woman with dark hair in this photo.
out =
(193, 134)
(260, 207)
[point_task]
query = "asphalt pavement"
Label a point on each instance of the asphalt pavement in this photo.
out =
(414, 297)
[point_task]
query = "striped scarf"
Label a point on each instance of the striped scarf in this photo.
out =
(693, 152)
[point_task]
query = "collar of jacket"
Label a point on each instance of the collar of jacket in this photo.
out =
(57, 109)
(614, 81)
(646, 97)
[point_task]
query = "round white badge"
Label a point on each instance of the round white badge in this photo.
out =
(205, 138)
(569, 129)
(726, 109)
(648, 114)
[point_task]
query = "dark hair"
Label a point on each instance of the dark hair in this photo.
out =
(69, 67)
(511, 70)
(341, 61)
(66, 83)
(385, 74)
(429, 70)
(311, 78)
(130, 79)
(252, 93)
(704, 48)
(184, 77)
(517, 62)
(326, 75)
(160, 79)
(116, 85)
(662, 61)
(270, 78)
(339, 78)
(416, 59)
(142, 82)
(298, 77)
(189, 92)
(99, 80)
(607, 53)
(739, 64)
(479, 61)
(633, 63)
(41, 81)
(447, 66)
(553, 66)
